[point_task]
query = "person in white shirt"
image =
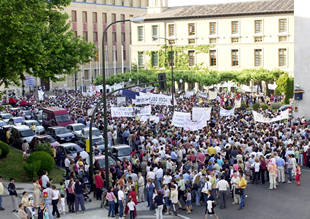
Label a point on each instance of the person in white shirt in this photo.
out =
(67, 165)
(55, 199)
(141, 184)
(121, 201)
(159, 176)
(150, 174)
(45, 180)
(174, 199)
(131, 206)
(222, 187)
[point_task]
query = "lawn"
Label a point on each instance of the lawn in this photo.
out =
(13, 166)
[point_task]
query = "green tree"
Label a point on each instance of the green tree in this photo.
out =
(285, 86)
(35, 38)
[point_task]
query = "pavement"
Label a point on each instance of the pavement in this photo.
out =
(289, 201)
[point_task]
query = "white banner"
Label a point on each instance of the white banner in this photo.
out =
(237, 103)
(272, 86)
(153, 99)
(202, 95)
(40, 95)
(189, 94)
(131, 111)
(224, 112)
(198, 113)
(151, 118)
(179, 119)
(212, 95)
(258, 117)
(121, 101)
(245, 88)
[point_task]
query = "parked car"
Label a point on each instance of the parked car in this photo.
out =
(2, 123)
(44, 139)
(54, 116)
(16, 120)
(21, 133)
(121, 151)
(27, 114)
(6, 116)
(39, 128)
(4, 130)
(100, 163)
(60, 133)
(97, 140)
(76, 129)
(72, 149)
(95, 131)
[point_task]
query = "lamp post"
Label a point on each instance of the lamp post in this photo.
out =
(171, 65)
(105, 113)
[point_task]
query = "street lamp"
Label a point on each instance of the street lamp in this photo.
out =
(105, 113)
(171, 64)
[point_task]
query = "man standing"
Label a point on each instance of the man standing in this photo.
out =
(281, 174)
(121, 197)
(79, 197)
(67, 165)
(45, 180)
(222, 187)
(1, 193)
(47, 196)
(141, 185)
(174, 199)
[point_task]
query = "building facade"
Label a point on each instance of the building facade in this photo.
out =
(239, 35)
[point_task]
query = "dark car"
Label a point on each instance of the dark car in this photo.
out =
(21, 133)
(61, 134)
(44, 139)
(100, 163)
(96, 141)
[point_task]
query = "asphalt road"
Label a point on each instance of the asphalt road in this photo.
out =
(287, 202)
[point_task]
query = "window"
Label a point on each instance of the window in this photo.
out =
(191, 58)
(85, 36)
(234, 27)
(86, 74)
(94, 17)
(258, 26)
(104, 18)
(95, 37)
(282, 25)
(140, 33)
(123, 37)
(258, 39)
(258, 57)
(234, 57)
(282, 57)
(154, 59)
(282, 38)
(140, 59)
(113, 17)
(191, 29)
(155, 32)
(191, 41)
(212, 28)
(212, 40)
(122, 17)
(113, 2)
(73, 16)
(170, 30)
(234, 40)
(212, 55)
(114, 37)
(84, 16)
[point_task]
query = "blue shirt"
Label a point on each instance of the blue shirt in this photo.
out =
(173, 155)
(280, 162)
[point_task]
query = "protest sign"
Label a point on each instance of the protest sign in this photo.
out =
(258, 117)
(121, 101)
(212, 95)
(151, 118)
(224, 112)
(179, 119)
(198, 113)
(189, 94)
(153, 99)
(238, 103)
(202, 95)
(130, 111)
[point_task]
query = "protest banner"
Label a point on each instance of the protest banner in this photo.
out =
(40, 95)
(130, 111)
(224, 112)
(258, 117)
(129, 94)
(121, 101)
(198, 113)
(238, 103)
(202, 95)
(151, 118)
(212, 95)
(179, 119)
(189, 94)
(153, 99)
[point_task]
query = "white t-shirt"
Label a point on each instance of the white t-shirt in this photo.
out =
(120, 195)
(55, 194)
(131, 205)
(167, 179)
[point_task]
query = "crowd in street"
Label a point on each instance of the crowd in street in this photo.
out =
(171, 168)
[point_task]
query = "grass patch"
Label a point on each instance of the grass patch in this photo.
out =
(13, 166)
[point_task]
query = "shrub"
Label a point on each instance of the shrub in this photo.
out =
(32, 169)
(44, 147)
(47, 161)
(255, 106)
(264, 106)
(276, 106)
(5, 149)
(244, 106)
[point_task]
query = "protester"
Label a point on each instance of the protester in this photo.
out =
(79, 197)
(1, 193)
(111, 201)
(13, 194)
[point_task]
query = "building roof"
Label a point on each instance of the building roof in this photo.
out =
(225, 10)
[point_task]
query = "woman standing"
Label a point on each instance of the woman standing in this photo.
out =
(70, 196)
(111, 201)
(21, 212)
(99, 185)
(55, 199)
(37, 193)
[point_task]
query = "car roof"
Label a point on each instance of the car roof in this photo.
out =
(30, 121)
(69, 144)
(121, 146)
(21, 127)
(5, 113)
(56, 127)
(43, 136)
(87, 128)
(76, 124)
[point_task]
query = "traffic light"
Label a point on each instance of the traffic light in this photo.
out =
(162, 81)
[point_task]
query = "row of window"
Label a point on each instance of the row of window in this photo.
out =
(95, 36)
(258, 58)
(95, 17)
(114, 3)
(235, 29)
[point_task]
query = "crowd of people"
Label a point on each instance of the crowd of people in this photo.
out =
(171, 168)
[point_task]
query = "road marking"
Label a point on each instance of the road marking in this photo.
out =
(164, 216)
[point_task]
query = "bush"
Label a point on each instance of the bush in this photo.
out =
(44, 147)
(276, 106)
(264, 106)
(255, 106)
(5, 149)
(32, 169)
(47, 161)
(244, 106)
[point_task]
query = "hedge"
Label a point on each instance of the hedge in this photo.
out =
(5, 149)
(47, 161)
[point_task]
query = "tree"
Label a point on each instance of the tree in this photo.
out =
(285, 85)
(35, 38)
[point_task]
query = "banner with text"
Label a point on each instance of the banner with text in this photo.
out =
(131, 111)
(258, 117)
(153, 99)
(224, 112)
(179, 119)
(198, 113)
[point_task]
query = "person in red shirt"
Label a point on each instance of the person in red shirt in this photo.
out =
(201, 157)
(99, 185)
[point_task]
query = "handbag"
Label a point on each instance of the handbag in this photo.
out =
(238, 191)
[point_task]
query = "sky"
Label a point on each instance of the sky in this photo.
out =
(200, 2)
